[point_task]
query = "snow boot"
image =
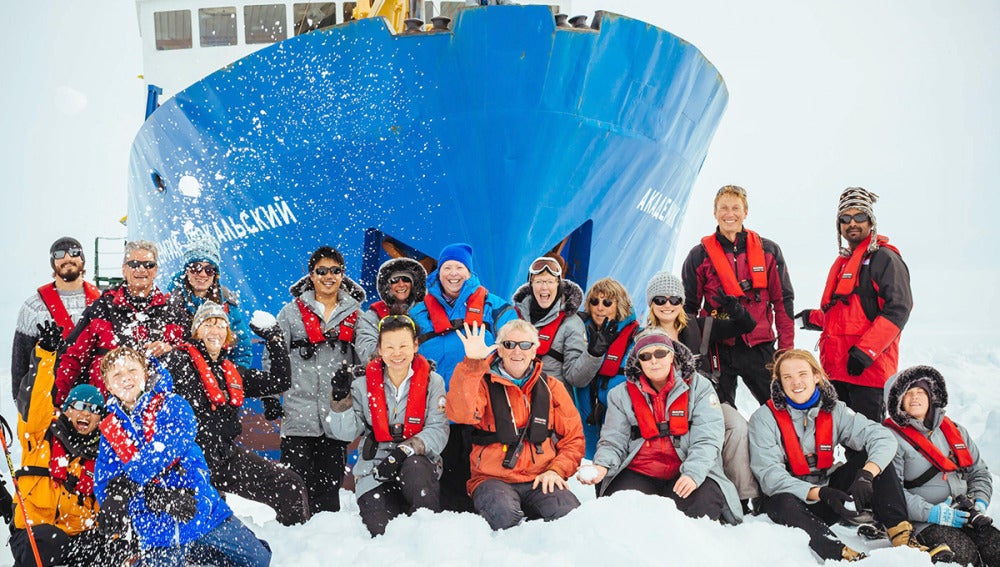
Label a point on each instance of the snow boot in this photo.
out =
(852, 555)
(902, 534)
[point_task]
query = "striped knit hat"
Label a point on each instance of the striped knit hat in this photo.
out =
(861, 199)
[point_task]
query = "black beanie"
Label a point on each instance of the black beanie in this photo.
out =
(65, 243)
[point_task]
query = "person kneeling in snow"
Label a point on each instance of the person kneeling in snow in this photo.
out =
(792, 441)
(151, 471)
(400, 404)
(527, 437)
(947, 485)
(663, 433)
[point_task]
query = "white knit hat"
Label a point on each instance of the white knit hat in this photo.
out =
(208, 310)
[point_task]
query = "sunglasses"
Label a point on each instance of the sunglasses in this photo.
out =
(397, 279)
(136, 264)
(335, 270)
(672, 300)
(80, 405)
(607, 302)
(523, 345)
(60, 254)
(404, 318)
(544, 264)
(857, 217)
(199, 268)
(658, 353)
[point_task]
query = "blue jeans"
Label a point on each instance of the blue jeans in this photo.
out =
(230, 545)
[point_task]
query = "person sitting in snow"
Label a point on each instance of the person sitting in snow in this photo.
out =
(151, 474)
(216, 386)
(792, 440)
(947, 485)
(56, 478)
(663, 433)
(399, 406)
(527, 437)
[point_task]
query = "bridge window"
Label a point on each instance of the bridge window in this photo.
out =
(313, 15)
(173, 29)
(265, 23)
(217, 26)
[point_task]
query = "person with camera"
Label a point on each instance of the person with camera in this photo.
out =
(399, 408)
(527, 435)
(947, 485)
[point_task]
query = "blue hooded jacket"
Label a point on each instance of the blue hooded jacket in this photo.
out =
(171, 457)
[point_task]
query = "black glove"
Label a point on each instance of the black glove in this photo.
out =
(270, 334)
(178, 502)
(806, 323)
(388, 469)
(341, 382)
(602, 337)
(861, 489)
(49, 336)
(113, 517)
(6, 504)
(835, 499)
(857, 361)
(730, 304)
(272, 408)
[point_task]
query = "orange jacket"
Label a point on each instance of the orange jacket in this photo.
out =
(469, 402)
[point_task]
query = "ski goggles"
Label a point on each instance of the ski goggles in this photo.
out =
(208, 269)
(523, 345)
(543, 264)
(663, 300)
(859, 218)
(397, 279)
(647, 356)
(335, 270)
(136, 264)
(404, 318)
(60, 254)
(80, 405)
(594, 302)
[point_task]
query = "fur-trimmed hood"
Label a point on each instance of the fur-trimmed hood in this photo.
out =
(902, 381)
(684, 363)
(417, 273)
(347, 284)
(827, 394)
(570, 294)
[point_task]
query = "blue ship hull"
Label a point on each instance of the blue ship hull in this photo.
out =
(507, 133)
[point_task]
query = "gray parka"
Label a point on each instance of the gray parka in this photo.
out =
(577, 367)
(769, 462)
(307, 402)
(975, 481)
(700, 450)
(348, 425)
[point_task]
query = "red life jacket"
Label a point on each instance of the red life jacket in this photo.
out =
(381, 309)
(724, 269)
(121, 442)
(930, 451)
(843, 276)
(793, 448)
(234, 382)
(546, 333)
(416, 401)
(649, 428)
(50, 297)
(59, 465)
(474, 307)
(314, 327)
(615, 357)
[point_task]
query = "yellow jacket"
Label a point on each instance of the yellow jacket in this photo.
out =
(47, 501)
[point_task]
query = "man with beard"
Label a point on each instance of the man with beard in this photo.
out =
(866, 303)
(61, 301)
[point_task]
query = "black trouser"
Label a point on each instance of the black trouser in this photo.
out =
(750, 363)
(865, 400)
(706, 500)
(504, 505)
(971, 546)
(417, 488)
(888, 506)
(457, 470)
(247, 474)
(56, 547)
(320, 462)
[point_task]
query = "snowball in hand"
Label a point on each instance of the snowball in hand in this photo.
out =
(262, 320)
(587, 473)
